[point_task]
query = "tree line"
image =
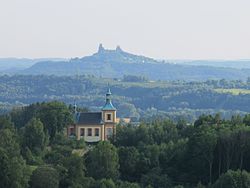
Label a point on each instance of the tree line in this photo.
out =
(34, 152)
(134, 96)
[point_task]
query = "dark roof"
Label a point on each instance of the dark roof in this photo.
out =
(89, 118)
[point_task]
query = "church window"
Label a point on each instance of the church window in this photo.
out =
(72, 131)
(109, 117)
(82, 132)
(89, 132)
(109, 132)
(96, 132)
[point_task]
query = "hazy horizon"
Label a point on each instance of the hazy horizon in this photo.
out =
(163, 29)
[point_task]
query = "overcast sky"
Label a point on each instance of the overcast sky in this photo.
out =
(172, 29)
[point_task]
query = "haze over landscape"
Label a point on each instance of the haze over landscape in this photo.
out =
(162, 29)
(124, 94)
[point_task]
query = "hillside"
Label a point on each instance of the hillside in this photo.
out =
(237, 64)
(145, 100)
(116, 63)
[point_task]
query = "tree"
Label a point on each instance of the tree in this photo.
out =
(199, 185)
(55, 116)
(129, 110)
(203, 143)
(243, 142)
(102, 161)
(163, 132)
(75, 169)
(34, 137)
(236, 119)
(246, 120)
(171, 155)
(233, 179)
(125, 135)
(9, 139)
(128, 159)
(142, 135)
(229, 146)
(5, 122)
(125, 184)
(156, 178)
(204, 120)
(106, 183)
(44, 176)
(4, 166)
(14, 172)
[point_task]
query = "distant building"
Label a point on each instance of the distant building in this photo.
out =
(95, 126)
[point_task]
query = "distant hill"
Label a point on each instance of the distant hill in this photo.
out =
(238, 64)
(13, 65)
(116, 63)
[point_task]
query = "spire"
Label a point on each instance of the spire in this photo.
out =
(76, 114)
(108, 105)
(100, 48)
(75, 107)
(118, 49)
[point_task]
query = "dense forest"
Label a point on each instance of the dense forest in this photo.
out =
(134, 96)
(34, 152)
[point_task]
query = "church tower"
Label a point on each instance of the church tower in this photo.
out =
(109, 117)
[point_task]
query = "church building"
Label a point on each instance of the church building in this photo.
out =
(95, 126)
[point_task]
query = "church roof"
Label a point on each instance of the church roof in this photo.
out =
(108, 106)
(89, 118)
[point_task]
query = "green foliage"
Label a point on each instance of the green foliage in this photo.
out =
(170, 154)
(178, 186)
(246, 120)
(31, 159)
(62, 140)
(156, 179)
(55, 116)
(153, 154)
(44, 176)
(125, 184)
(233, 179)
(132, 78)
(209, 149)
(4, 166)
(34, 137)
(102, 161)
(75, 169)
(106, 183)
(205, 120)
(204, 143)
(199, 185)
(125, 135)
(14, 172)
(128, 160)
(5, 122)
(145, 100)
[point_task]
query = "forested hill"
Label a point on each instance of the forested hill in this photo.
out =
(132, 96)
(116, 63)
(35, 153)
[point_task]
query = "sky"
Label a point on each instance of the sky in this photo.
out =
(162, 29)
